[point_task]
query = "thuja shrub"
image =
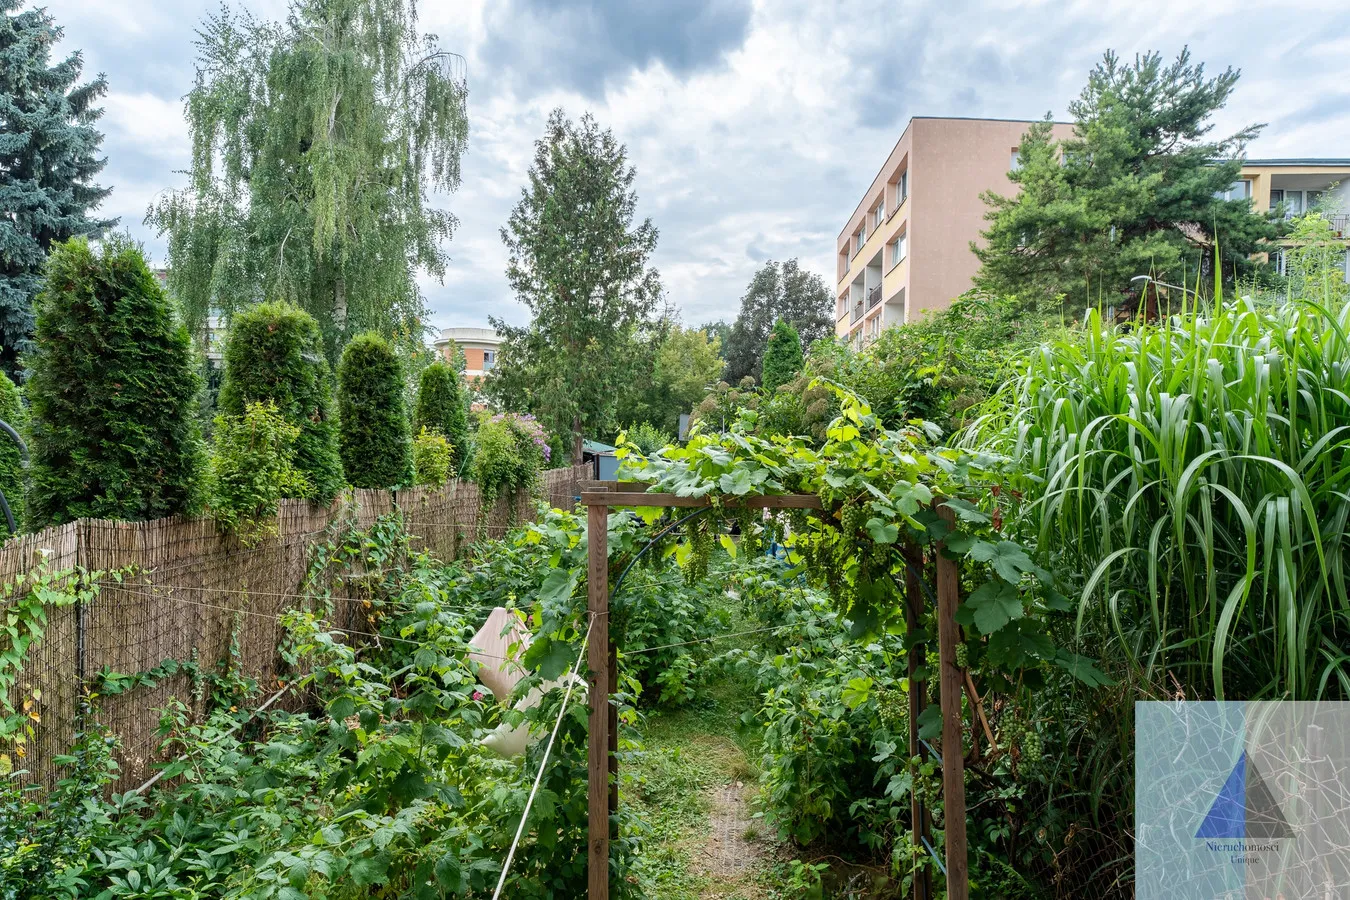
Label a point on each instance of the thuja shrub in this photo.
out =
(11, 462)
(432, 456)
(114, 431)
(373, 435)
(274, 354)
(782, 356)
(440, 407)
(252, 468)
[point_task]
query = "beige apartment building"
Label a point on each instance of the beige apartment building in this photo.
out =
(906, 248)
(1296, 186)
(479, 345)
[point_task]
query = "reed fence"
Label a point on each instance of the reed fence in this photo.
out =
(198, 591)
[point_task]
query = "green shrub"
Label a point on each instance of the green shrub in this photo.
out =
(432, 456)
(511, 450)
(441, 407)
(648, 438)
(11, 460)
(113, 390)
(252, 468)
(274, 353)
(374, 434)
(782, 356)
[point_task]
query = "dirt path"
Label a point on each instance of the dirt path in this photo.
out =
(733, 852)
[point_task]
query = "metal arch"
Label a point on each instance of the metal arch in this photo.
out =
(23, 456)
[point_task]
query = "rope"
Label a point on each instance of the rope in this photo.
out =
(539, 777)
(717, 637)
(121, 585)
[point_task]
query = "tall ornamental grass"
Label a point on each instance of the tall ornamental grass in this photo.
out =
(1194, 476)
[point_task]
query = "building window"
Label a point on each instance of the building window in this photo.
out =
(880, 214)
(860, 238)
(1016, 162)
(489, 357)
(1238, 190)
(898, 250)
(902, 189)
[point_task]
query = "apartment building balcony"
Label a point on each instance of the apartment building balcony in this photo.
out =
(873, 297)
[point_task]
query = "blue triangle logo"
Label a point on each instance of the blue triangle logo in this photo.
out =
(1244, 808)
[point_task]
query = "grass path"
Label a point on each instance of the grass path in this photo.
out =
(694, 790)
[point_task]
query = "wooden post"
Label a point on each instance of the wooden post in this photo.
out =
(597, 549)
(951, 685)
(923, 884)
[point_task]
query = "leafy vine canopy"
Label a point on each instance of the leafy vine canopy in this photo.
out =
(889, 498)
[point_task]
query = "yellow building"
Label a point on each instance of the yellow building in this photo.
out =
(906, 247)
(1295, 186)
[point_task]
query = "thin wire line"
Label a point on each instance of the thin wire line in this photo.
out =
(117, 585)
(538, 778)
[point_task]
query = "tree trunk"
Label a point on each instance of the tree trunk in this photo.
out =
(576, 441)
(340, 307)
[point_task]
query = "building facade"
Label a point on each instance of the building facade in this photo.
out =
(1296, 186)
(479, 346)
(906, 247)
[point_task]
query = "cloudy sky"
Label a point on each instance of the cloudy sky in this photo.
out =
(755, 125)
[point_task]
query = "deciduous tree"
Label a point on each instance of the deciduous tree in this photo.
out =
(315, 142)
(49, 155)
(579, 261)
(778, 291)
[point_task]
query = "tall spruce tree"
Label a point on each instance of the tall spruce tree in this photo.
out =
(579, 261)
(315, 142)
(113, 388)
(441, 408)
(374, 437)
(274, 351)
(778, 291)
(1138, 190)
(49, 155)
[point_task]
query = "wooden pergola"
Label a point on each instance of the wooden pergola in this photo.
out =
(602, 759)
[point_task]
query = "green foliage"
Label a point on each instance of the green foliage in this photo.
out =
(252, 468)
(511, 450)
(1191, 472)
(315, 142)
(782, 356)
(432, 458)
(778, 291)
(647, 438)
(49, 155)
(1133, 192)
(580, 264)
(11, 460)
(113, 390)
(441, 407)
(1315, 260)
(683, 362)
(274, 354)
(374, 434)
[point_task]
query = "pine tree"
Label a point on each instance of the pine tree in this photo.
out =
(1138, 190)
(783, 356)
(440, 408)
(11, 459)
(274, 352)
(374, 436)
(315, 142)
(113, 386)
(48, 157)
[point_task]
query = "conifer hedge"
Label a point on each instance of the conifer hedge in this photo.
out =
(274, 354)
(11, 460)
(440, 407)
(783, 359)
(114, 432)
(374, 436)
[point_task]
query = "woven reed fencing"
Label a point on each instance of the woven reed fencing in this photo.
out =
(200, 590)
